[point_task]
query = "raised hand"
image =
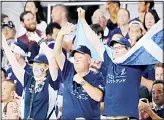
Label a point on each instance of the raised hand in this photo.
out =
(33, 36)
(67, 29)
(81, 13)
(3, 39)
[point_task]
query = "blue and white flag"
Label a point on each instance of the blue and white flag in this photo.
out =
(81, 39)
(148, 50)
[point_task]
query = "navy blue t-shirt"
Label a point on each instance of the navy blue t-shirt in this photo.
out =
(11, 76)
(40, 102)
(122, 89)
(76, 102)
(149, 73)
(160, 113)
(117, 31)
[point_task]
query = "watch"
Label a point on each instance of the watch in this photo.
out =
(82, 82)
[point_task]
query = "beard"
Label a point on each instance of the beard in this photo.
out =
(31, 28)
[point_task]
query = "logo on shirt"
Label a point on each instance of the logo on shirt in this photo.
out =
(9, 76)
(123, 72)
(117, 77)
(79, 92)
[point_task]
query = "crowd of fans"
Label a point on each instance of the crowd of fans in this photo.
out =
(45, 77)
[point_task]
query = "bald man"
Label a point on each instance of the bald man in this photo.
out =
(59, 14)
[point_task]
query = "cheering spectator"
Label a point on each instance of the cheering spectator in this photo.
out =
(41, 85)
(123, 18)
(99, 18)
(20, 51)
(29, 22)
(12, 111)
(151, 17)
(144, 6)
(83, 89)
(158, 98)
(8, 29)
(37, 10)
(112, 8)
(121, 104)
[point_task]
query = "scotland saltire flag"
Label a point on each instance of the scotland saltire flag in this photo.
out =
(81, 39)
(148, 50)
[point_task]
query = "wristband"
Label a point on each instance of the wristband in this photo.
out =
(40, 41)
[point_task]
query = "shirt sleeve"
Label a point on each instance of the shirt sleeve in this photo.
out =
(67, 68)
(107, 59)
(99, 82)
(28, 77)
(149, 72)
(54, 84)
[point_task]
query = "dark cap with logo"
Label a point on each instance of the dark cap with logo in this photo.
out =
(81, 49)
(40, 58)
(122, 41)
(8, 23)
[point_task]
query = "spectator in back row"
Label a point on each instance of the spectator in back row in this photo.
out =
(60, 15)
(99, 18)
(151, 17)
(112, 7)
(37, 10)
(123, 18)
(28, 21)
(144, 6)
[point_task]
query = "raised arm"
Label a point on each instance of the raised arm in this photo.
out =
(90, 34)
(59, 55)
(48, 52)
(16, 67)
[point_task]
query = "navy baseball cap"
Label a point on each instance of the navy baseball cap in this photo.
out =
(40, 58)
(122, 41)
(81, 49)
(8, 23)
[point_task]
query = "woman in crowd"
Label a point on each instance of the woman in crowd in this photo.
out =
(151, 17)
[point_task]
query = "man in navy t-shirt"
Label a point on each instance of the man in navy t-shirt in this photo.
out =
(122, 84)
(83, 89)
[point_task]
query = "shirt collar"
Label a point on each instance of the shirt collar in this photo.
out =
(158, 108)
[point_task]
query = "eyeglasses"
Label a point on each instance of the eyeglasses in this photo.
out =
(118, 47)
